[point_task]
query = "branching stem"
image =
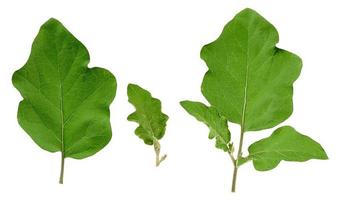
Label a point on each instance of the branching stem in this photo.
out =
(242, 130)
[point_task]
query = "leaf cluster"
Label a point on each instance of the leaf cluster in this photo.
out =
(250, 82)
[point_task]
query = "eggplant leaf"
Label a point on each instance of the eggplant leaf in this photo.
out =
(148, 114)
(284, 144)
(65, 104)
(249, 79)
(216, 123)
(250, 82)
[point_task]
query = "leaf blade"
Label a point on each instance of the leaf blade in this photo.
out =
(54, 81)
(249, 79)
(213, 120)
(152, 121)
(284, 144)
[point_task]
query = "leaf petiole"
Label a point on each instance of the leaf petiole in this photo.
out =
(239, 156)
(61, 177)
(157, 148)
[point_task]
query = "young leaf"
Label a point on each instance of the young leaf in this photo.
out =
(284, 144)
(65, 104)
(152, 122)
(216, 123)
(249, 79)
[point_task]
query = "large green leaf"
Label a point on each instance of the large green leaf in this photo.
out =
(210, 116)
(66, 104)
(284, 144)
(148, 114)
(249, 79)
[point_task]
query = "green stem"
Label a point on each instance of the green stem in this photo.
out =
(239, 155)
(157, 148)
(61, 177)
(242, 130)
(234, 180)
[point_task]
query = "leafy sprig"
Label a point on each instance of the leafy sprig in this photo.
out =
(151, 120)
(250, 82)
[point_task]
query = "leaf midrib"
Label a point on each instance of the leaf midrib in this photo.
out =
(61, 104)
(61, 107)
(245, 87)
(247, 79)
(254, 156)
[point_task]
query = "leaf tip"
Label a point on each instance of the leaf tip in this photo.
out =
(247, 10)
(52, 21)
(183, 103)
(130, 89)
(324, 155)
(130, 85)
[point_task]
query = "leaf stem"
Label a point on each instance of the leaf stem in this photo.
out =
(61, 177)
(234, 180)
(232, 158)
(239, 155)
(157, 148)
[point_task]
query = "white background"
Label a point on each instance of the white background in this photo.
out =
(156, 44)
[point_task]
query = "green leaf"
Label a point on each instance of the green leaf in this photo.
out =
(152, 122)
(66, 104)
(249, 79)
(210, 116)
(284, 144)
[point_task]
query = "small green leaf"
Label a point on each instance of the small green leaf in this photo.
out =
(284, 144)
(66, 104)
(215, 122)
(249, 79)
(152, 122)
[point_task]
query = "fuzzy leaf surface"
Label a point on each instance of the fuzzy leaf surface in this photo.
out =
(148, 114)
